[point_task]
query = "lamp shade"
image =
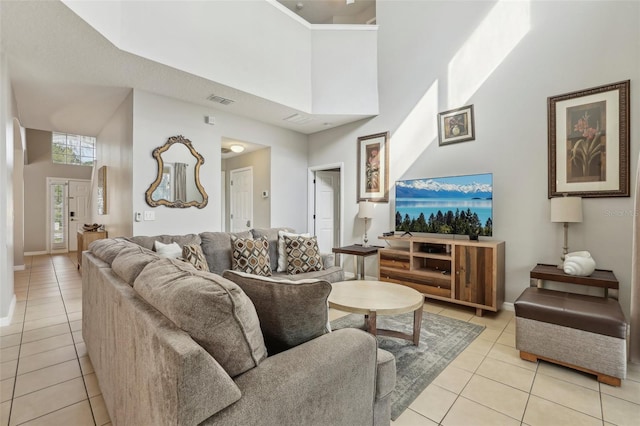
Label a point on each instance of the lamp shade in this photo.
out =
(566, 209)
(365, 210)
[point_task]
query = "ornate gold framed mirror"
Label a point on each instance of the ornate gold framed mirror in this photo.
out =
(178, 181)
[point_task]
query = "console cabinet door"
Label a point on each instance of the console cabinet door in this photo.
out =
(474, 274)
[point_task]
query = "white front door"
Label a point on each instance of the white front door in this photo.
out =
(241, 199)
(79, 191)
(327, 209)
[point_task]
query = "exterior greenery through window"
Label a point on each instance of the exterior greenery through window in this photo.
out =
(73, 149)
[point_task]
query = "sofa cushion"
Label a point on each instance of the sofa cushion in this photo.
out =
(271, 234)
(214, 311)
(282, 252)
(131, 261)
(303, 255)
(217, 249)
(290, 312)
(172, 250)
(251, 256)
(182, 240)
(192, 253)
(108, 248)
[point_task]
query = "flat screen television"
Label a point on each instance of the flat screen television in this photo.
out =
(446, 205)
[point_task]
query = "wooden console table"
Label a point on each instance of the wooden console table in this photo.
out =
(601, 278)
(359, 251)
(85, 238)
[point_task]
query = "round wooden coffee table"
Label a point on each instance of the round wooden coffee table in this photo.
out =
(373, 298)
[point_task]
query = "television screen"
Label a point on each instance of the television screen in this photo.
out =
(446, 205)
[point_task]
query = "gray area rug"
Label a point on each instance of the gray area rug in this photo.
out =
(441, 340)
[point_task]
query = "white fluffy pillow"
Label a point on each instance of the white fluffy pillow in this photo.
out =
(172, 250)
(282, 251)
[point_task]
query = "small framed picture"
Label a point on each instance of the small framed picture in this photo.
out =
(456, 125)
(589, 142)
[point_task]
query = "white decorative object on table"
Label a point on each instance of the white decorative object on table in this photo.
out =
(579, 263)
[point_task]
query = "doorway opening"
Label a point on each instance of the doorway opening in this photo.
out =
(326, 205)
(68, 210)
(241, 199)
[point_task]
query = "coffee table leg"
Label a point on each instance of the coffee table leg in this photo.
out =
(370, 323)
(417, 325)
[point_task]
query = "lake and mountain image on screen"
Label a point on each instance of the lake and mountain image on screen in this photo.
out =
(446, 205)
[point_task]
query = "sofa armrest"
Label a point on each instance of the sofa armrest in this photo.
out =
(329, 380)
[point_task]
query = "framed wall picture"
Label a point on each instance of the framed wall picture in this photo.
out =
(456, 125)
(102, 190)
(373, 168)
(589, 142)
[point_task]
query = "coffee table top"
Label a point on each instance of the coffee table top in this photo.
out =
(363, 297)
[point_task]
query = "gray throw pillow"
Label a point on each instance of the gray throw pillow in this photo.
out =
(290, 312)
(213, 311)
(217, 249)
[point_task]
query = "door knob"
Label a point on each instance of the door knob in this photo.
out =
(248, 224)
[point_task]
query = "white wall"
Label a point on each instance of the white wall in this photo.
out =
(229, 41)
(7, 297)
(156, 118)
(505, 58)
(115, 150)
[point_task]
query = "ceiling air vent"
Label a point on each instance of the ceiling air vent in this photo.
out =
(225, 150)
(298, 119)
(220, 100)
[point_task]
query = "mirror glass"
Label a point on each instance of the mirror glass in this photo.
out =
(178, 181)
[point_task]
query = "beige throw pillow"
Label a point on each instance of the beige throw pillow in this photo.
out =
(251, 256)
(282, 253)
(193, 254)
(303, 255)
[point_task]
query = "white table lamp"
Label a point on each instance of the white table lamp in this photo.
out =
(365, 211)
(566, 209)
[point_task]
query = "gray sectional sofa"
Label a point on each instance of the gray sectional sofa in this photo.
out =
(171, 345)
(217, 249)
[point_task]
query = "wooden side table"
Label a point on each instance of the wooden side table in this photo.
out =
(360, 252)
(601, 278)
(85, 238)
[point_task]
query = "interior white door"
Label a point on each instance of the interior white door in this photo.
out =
(241, 199)
(79, 191)
(327, 209)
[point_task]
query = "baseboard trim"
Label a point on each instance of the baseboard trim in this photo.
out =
(508, 306)
(7, 320)
(19, 267)
(35, 253)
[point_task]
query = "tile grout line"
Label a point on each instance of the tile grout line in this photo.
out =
(75, 348)
(15, 377)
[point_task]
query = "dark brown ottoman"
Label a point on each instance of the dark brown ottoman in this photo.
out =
(587, 333)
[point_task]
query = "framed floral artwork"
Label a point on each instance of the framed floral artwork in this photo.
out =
(373, 168)
(102, 190)
(456, 125)
(589, 142)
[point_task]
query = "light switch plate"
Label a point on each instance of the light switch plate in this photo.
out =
(149, 215)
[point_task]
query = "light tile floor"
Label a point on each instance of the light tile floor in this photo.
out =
(488, 384)
(46, 377)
